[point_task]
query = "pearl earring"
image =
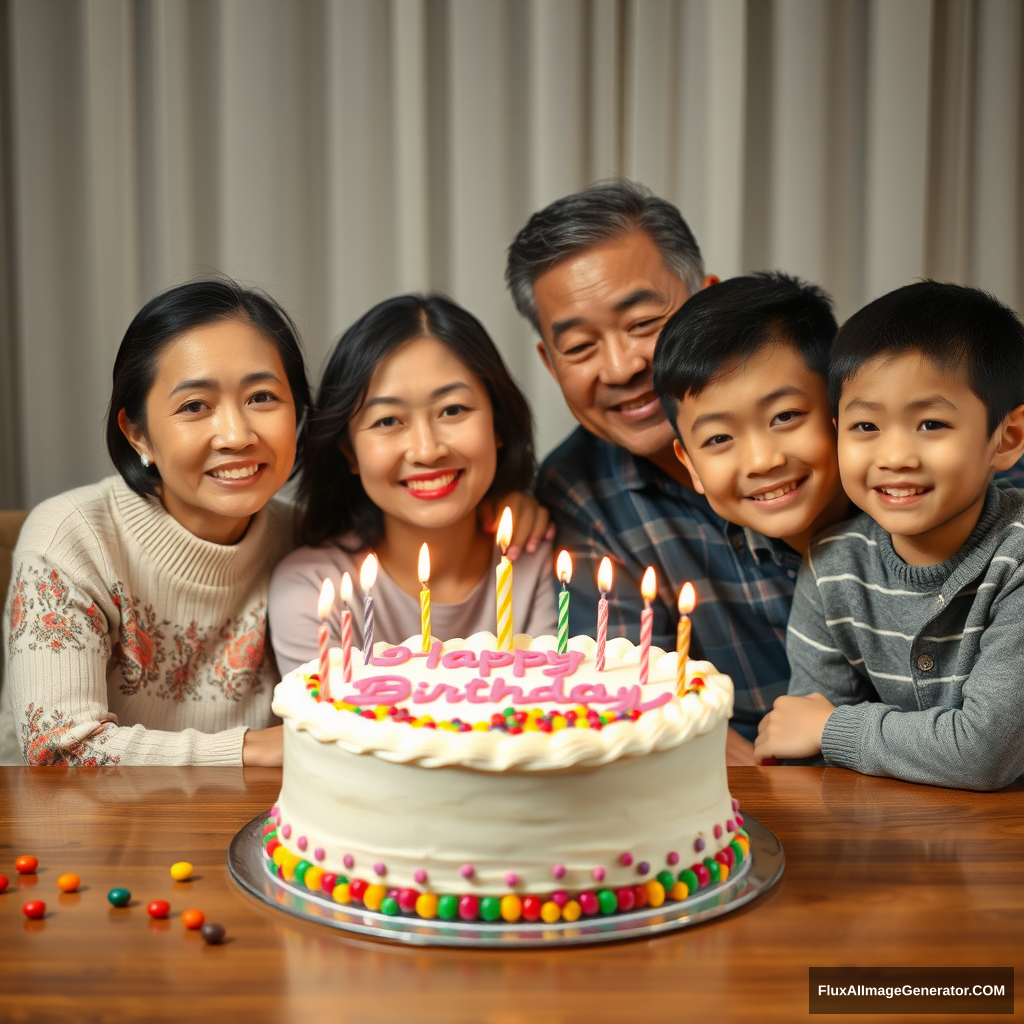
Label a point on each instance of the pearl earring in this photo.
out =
(145, 461)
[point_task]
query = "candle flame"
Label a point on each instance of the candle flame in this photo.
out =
(346, 588)
(368, 573)
(504, 535)
(649, 584)
(563, 567)
(604, 575)
(687, 598)
(326, 602)
(424, 564)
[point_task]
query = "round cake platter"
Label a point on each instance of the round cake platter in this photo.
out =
(756, 874)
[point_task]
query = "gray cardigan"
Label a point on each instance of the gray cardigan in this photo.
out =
(925, 664)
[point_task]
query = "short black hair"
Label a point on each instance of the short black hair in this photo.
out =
(734, 320)
(331, 497)
(604, 210)
(159, 322)
(962, 331)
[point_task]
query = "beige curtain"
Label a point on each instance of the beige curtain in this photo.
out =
(336, 152)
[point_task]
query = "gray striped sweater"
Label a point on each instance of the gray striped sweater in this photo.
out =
(925, 664)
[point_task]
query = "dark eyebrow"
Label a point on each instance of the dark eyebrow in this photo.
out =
(710, 417)
(205, 384)
(437, 393)
(786, 391)
(863, 403)
(559, 327)
(927, 403)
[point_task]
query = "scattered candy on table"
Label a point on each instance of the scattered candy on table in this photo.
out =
(34, 909)
(119, 897)
(3, 882)
(26, 865)
(69, 882)
(213, 934)
(193, 919)
(158, 908)
(182, 871)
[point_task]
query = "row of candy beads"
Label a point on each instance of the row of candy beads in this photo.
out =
(510, 907)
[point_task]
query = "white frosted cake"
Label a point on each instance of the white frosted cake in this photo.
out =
(479, 784)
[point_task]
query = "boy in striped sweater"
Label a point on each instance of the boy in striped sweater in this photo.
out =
(905, 638)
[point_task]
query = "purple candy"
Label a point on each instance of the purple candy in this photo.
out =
(558, 871)
(349, 861)
(672, 858)
(379, 868)
(698, 844)
(643, 867)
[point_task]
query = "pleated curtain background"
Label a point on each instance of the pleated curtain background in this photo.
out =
(335, 152)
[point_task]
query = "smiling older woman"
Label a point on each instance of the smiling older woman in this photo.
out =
(136, 618)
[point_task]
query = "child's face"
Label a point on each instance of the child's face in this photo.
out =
(424, 439)
(915, 454)
(760, 444)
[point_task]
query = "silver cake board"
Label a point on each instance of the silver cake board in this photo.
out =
(757, 873)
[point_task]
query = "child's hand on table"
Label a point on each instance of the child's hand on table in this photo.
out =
(531, 522)
(792, 728)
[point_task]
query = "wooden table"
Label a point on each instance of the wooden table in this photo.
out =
(878, 873)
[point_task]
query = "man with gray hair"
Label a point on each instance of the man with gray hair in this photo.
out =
(598, 274)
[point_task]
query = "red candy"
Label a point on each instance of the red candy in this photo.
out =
(531, 908)
(640, 896)
(703, 875)
(158, 908)
(34, 909)
(588, 902)
(3, 882)
(272, 846)
(26, 865)
(407, 899)
(560, 898)
(358, 887)
(627, 898)
(469, 908)
(328, 882)
(726, 856)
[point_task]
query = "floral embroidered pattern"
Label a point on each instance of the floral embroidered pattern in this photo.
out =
(45, 608)
(139, 652)
(181, 682)
(16, 626)
(237, 671)
(46, 742)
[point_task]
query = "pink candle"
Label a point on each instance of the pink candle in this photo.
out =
(323, 609)
(649, 589)
(346, 628)
(604, 584)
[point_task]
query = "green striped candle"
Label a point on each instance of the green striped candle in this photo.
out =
(563, 568)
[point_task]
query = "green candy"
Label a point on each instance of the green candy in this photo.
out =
(690, 878)
(490, 908)
(667, 880)
(448, 908)
(738, 850)
(119, 897)
(389, 906)
(341, 880)
(714, 869)
(509, 711)
(608, 901)
(300, 871)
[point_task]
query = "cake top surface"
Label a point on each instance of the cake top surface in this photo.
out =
(465, 703)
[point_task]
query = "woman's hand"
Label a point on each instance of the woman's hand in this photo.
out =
(793, 728)
(531, 521)
(263, 748)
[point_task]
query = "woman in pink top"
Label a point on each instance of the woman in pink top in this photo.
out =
(417, 424)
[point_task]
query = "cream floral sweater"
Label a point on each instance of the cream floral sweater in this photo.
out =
(132, 641)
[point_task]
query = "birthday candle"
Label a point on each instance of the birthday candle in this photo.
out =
(323, 609)
(687, 602)
(649, 590)
(337, 670)
(346, 627)
(367, 578)
(504, 588)
(604, 584)
(563, 568)
(424, 571)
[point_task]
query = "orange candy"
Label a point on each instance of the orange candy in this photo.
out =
(26, 865)
(69, 882)
(193, 919)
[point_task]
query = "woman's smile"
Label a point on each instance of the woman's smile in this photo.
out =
(432, 486)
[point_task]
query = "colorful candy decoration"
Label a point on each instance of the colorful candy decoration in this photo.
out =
(34, 909)
(181, 871)
(193, 919)
(119, 897)
(26, 865)
(4, 882)
(213, 934)
(158, 909)
(69, 882)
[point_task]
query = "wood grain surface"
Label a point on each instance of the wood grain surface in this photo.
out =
(878, 873)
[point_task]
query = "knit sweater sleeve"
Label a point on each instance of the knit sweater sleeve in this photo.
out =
(978, 746)
(817, 665)
(60, 642)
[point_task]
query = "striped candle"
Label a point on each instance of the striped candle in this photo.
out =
(563, 569)
(323, 610)
(649, 590)
(687, 602)
(504, 583)
(604, 584)
(367, 578)
(346, 628)
(424, 574)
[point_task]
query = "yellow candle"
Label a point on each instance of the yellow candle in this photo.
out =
(504, 580)
(424, 572)
(687, 602)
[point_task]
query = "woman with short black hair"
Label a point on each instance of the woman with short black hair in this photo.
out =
(137, 614)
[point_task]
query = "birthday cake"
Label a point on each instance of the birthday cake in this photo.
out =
(475, 784)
